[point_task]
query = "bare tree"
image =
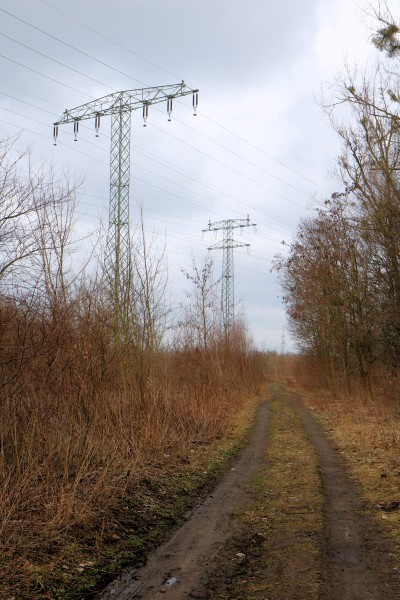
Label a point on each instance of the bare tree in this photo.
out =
(369, 166)
(36, 274)
(148, 310)
(327, 291)
(202, 319)
(54, 237)
(18, 212)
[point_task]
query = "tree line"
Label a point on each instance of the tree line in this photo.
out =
(341, 276)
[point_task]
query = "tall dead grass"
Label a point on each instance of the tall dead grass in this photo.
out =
(82, 419)
(365, 426)
(85, 408)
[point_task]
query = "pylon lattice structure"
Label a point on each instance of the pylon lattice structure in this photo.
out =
(120, 105)
(228, 280)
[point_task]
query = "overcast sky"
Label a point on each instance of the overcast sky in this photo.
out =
(260, 144)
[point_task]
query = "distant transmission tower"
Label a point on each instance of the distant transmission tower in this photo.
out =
(283, 341)
(120, 105)
(227, 245)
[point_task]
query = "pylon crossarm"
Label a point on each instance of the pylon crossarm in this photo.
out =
(222, 246)
(129, 100)
(229, 223)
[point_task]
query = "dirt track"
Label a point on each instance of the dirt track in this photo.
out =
(189, 555)
(356, 564)
(354, 558)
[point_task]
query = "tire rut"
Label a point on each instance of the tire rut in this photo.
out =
(355, 557)
(182, 565)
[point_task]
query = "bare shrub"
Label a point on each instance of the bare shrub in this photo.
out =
(82, 414)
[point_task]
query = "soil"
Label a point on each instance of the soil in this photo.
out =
(183, 564)
(356, 560)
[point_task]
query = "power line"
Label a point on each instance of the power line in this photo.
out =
(28, 104)
(53, 37)
(89, 217)
(246, 160)
(46, 136)
(129, 50)
(163, 69)
(157, 174)
(70, 87)
(156, 160)
(229, 167)
(262, 133)
(205, 154)
(280, 162)
(139, 179)
(29, 93)
(58, 62)
(238, 172)
(127, 75)
(214, 189)
(105, 37)
(195, 149)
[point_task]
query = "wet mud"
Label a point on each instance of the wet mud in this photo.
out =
(355, 562)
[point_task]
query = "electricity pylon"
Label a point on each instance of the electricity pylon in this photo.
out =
(283, 341)
(227, 245)
(120, 105)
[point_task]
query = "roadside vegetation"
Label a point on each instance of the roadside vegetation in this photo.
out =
(341, 277)
(98, 429)
(341, 280)
(365, 429)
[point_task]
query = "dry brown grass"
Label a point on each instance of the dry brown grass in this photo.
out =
(91, 400)
(365, 427)
(68, 457)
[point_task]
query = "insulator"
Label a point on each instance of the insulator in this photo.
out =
(55, 134)
(195, 102)
(169, 107)
(145, 113)
(76, 127)
(97, 124)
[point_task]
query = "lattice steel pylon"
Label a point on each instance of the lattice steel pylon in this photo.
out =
(227, 245)
(120, 105)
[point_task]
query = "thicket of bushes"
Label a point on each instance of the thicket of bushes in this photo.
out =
(82, 408)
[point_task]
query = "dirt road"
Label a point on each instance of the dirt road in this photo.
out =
(183, 564)
(354, 558)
